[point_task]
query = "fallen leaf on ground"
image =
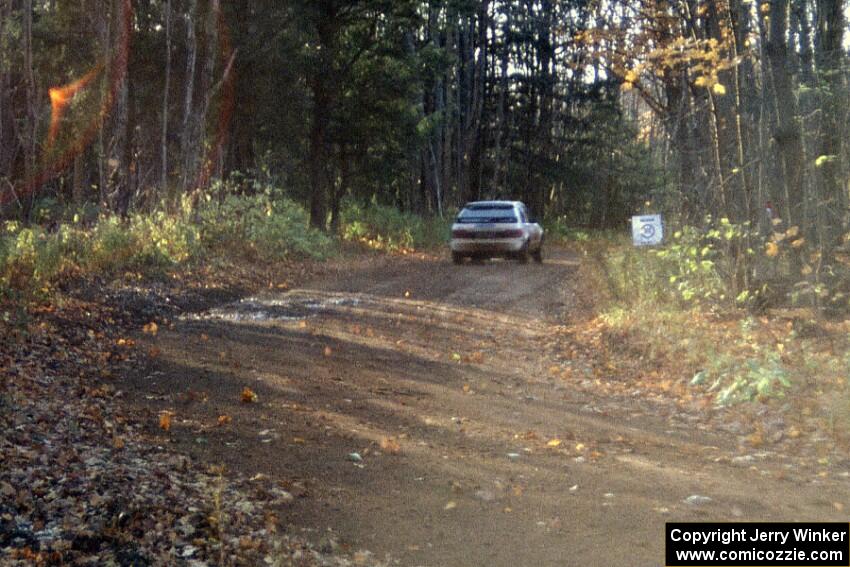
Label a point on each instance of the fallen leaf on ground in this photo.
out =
(150, 329)
(165, 420)
(450, 505)
(224, 420)
(554, 443)
(248, 395)
(390, 445)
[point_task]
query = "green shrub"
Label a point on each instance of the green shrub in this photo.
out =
(111, 246)
(735, 381)
(266, 225)
(690, 262)
(560, 229)
(696, 266)
(162, 239)
(386, 228)
(32, 257)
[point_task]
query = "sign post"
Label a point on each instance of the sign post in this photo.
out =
(647, 230)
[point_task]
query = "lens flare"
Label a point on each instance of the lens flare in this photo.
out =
(56, 159)
(60, 100)
(63, 145)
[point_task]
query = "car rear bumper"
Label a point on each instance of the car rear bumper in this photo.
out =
(487, 246)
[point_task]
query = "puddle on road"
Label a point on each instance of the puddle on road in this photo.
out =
(291, 308)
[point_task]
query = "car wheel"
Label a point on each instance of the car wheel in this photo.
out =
(457, 258)
(522, 255)
(538, 254)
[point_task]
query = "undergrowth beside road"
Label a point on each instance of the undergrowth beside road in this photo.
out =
(675, 312)
(386, 228)
(218, 226)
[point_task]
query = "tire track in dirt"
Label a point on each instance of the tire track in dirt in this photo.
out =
(450, 362)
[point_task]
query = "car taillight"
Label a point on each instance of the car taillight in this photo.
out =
(460, 233)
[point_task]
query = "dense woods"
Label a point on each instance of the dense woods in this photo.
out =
(419, 105)
(585, 109)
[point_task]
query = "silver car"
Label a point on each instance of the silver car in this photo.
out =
(487, 229)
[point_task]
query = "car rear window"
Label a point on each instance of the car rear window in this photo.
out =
(498, 214)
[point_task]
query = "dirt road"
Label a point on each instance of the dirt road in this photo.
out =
(472, 451)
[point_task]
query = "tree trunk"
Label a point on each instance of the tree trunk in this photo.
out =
(830, 58)
(6, 139)
(31, 123)
(546, 55)
(318, 153)
(496, 183)
(342, 189)
(187, 139)
(736, 23)
(203, 154)
(323, 91)
(787, 135)
(163, 173)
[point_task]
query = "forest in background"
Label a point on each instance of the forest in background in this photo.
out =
(417, 105)
(589, 110)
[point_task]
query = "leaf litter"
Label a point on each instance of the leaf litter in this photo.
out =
(82, 484)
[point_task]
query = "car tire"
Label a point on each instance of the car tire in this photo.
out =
(457, 259)
(522, 255)
(538, 254)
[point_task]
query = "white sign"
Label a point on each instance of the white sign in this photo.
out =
(647, 230)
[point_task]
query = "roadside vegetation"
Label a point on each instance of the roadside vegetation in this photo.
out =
(732, 315)
(220, 225)
(386, 228)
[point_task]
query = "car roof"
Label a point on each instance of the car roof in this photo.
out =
(491, 204)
